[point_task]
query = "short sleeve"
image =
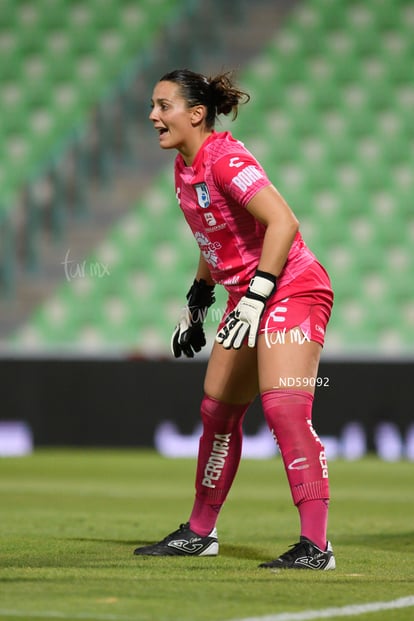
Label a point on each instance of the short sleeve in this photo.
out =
(240, 176)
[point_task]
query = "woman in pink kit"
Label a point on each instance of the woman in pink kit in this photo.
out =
(272, 332)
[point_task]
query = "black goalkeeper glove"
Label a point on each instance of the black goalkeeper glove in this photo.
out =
(188, 337)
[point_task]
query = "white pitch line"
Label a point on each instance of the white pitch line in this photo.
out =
(305, 615)
(333, 613)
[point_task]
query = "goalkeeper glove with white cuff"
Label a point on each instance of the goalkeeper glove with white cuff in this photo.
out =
(244, 320)
(188, 336)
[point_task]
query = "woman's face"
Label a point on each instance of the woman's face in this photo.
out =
(170, 116)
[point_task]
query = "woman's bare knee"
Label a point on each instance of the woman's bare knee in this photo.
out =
(232, 374)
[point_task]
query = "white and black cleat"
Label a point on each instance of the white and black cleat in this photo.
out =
(304, 555)
(183, 542)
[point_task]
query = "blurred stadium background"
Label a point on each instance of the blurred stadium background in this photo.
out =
(95, 257)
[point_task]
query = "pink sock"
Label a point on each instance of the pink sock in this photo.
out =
(218, 460)
(289, 416)
(314, 520)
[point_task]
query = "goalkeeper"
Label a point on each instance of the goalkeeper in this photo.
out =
(272, 332)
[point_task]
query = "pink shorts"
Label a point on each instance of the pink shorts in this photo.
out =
(305, 303)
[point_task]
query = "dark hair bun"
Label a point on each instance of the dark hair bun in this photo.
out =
(225, 95)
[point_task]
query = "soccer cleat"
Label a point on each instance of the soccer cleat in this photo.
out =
(183, 542)
(304, 555)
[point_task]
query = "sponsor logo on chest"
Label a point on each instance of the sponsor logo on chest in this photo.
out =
(209, 218)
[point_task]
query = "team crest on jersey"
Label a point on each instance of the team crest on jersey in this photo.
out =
(203, 195)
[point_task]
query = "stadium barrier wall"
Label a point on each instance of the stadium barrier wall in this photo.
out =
(359, 406)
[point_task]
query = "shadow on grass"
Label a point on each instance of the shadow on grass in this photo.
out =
(241, 552)
(383, 541)
(227, 550)
(120, 542)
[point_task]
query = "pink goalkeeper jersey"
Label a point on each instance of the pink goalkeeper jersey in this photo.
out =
(213, 194)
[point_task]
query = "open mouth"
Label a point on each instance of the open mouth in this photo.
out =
(162, 130)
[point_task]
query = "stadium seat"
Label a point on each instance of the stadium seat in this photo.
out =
(331, 119)
(72, 49)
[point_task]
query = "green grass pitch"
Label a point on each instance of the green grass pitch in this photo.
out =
(70, 519)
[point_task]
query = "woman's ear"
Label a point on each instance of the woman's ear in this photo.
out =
(198, 114)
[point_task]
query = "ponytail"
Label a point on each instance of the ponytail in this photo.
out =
(226, 95)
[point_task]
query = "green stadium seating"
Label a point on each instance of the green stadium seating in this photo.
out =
(60, 60)
(331, 119)
(59, 57)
